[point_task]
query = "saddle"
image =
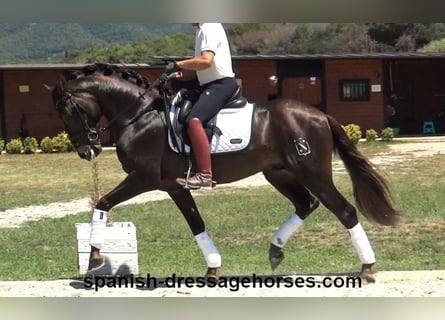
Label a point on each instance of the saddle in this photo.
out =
(229, 130)
(182, 101)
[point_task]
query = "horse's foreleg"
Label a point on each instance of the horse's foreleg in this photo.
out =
(184, 201)
(127, 189)
(97, 237)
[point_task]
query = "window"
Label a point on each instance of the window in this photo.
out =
(354, 90)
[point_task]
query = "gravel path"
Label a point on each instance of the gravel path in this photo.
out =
(14, 218)
(429, 283)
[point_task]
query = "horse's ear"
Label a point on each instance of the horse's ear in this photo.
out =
(60, 87)
(48, 87)
(62, 84)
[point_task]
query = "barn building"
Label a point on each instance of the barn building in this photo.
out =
(26, 107)
(374, 90)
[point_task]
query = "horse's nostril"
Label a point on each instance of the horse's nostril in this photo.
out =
(82, 155)
(85, 152)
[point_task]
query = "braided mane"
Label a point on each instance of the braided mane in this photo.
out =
(109, 70)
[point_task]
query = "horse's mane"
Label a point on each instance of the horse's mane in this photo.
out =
(109, 70)
(119, 73)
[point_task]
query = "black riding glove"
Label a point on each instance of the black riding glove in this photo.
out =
(163, 78)
(172, 67)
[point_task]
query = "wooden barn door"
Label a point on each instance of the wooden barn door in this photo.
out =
(306, 89)
(2, 109)
(420, 87)
(302, 80)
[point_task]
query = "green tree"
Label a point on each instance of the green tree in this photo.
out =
(405, 36)
(263, 38)
(140, 52)
(434, 46)
(237, 29)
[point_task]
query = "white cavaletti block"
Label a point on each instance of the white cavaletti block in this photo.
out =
(119, 248)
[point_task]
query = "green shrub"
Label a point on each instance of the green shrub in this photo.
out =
(61, 142)
(371, 135)
(387, 134)
(2, 145)
(14, 146)
(30, 145)
(353, 132)
(46, 145)
(71, 147)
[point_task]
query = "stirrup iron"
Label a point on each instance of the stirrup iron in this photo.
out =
(189, 173)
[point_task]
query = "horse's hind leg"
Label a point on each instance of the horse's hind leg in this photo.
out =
(184, 201)
(325, 190)
(287, 184)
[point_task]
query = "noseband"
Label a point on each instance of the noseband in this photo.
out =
(92, 133)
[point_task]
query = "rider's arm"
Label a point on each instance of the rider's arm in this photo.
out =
(197, 63)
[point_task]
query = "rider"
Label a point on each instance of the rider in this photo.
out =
(212, 65)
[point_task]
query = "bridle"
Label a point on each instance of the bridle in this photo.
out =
(91, 132)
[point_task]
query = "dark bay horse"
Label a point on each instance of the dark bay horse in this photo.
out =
(292, 144)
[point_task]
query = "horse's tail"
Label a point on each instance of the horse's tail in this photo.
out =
(370, 189)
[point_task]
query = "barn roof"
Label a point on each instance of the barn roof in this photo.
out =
(318, 56)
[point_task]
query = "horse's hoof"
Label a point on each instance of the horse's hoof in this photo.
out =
(96, 264)
(367, 274)
(211, 276)
(276, 256)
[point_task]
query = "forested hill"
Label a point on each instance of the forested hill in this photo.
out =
(39, 42)
(134, 43)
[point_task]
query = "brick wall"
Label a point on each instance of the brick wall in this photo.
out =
(367, 114)
(25, 96)
(255, 79)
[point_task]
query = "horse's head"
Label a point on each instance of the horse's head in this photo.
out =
(80, 112)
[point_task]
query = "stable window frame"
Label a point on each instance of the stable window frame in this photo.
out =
(354, 90)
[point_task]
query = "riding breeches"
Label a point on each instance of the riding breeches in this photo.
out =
(212, 98)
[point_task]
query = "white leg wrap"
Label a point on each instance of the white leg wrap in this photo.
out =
(361, 244)
(98, 227)
(286, 230)
(211, 253)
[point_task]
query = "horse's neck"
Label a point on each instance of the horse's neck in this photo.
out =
(121, 114)
(121, 103)
(121, 106)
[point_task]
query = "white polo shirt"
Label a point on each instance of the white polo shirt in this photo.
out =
(212, 37)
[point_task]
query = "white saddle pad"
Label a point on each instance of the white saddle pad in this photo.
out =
(235, 125)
